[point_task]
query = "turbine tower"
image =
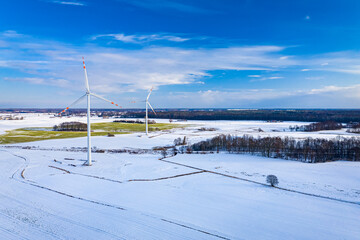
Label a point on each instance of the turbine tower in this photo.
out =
(88, 94)
(147, 103)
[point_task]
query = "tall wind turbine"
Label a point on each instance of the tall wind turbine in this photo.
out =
(147, 103)
(87, 95)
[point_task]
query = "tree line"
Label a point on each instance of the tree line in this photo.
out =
(303, 115)
(137, 121)
(319, 126)
(71, 126)
(307, 150)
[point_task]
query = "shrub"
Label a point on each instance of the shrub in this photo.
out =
(272, 180)
(164, 153)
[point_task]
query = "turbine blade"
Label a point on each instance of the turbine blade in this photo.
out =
(149, 94)
(151, 108)
(86, 77)
(78, 100)
(106, 100)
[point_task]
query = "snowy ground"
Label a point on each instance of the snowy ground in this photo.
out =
(139, 140)
(138, 196)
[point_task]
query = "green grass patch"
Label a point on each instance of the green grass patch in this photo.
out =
(22, 135)
(132, 127)
(99, 129)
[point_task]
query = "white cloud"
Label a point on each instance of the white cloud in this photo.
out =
(348, 91)
(305, 70)
(141, 38)
(342, 62)
(122, 70)
(41, 81)
(11, 34)
(74, 3)
(224, 98)
(115, 70)
(258, 97)
(259, 79)
(315, 78)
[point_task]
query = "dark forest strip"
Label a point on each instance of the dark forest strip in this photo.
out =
(312, 150)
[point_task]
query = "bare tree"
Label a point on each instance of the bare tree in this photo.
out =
(311, 150)
(177, 141)
(272, 180)
(174, 151)
(164, 153)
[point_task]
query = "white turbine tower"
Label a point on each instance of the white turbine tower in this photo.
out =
(147, 103)
(87, 95)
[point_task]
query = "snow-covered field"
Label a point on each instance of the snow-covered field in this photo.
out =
(139, 140)
(46, 194)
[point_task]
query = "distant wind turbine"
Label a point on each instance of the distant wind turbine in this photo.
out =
(88, 94)
(147, 103)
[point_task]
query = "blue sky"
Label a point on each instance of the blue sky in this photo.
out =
(199, 53)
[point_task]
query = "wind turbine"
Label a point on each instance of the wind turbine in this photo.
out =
(147, 103)
(87, 95)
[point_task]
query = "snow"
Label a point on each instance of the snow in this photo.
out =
(139, 140)
(197, 196)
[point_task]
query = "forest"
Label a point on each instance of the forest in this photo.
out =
(304, 115)
(319, 126)
(71, 126)
(308, 150)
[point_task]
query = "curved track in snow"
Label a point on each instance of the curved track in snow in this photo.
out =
(20, 176)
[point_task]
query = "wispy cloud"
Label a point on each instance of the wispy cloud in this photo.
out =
(74, 3)
(260, 97)
(342, 62)
(120, 70)
(315, 78)
(353, 91)
(11, 34)
(218, 98)
(141, 38)
(258, 78)
(41, 81)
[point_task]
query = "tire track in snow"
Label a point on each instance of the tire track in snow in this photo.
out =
(131, 180)
(61, 169)
(37, 229)
(164, 178)
(29, 182)
(15, 200)
(86, 175)
(12, 233)
(181, 225)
